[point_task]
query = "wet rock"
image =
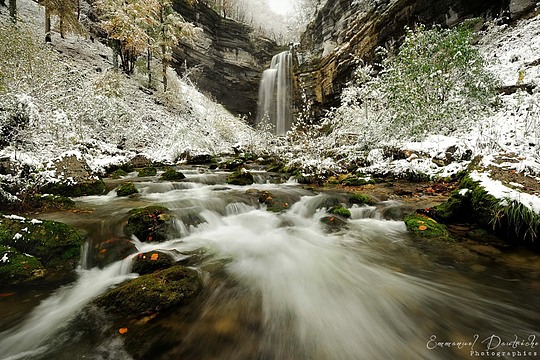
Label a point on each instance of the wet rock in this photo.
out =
(149, 262)
(152, 293)
(16, 268)
(126, 189)
(273, 203)
(172, 175)
(334, 223)
(49, 202)
(54, 244)
(152, 223)
(147, 171)
(199, 159)
(138, 161)
(240, 177)
(118, 173)
(113, 250)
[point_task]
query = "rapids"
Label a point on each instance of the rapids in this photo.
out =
(277, 286)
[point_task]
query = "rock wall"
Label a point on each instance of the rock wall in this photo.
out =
(225, 61)
(346, 31)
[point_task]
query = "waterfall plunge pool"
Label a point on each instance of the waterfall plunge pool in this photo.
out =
(279, 286)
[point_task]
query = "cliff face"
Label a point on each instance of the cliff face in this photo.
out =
(345, 31)
(225, 61)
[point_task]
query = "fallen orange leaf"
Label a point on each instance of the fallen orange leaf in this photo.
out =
(422, 227)
(123, 330)
(154, 257)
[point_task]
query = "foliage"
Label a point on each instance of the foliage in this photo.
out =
(436, 84)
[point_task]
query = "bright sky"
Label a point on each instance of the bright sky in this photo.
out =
(281, 7)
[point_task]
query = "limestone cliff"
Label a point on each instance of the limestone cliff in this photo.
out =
(345, 31)
(226, 61)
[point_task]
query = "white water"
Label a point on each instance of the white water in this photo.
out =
(275, 95)
(343, 295)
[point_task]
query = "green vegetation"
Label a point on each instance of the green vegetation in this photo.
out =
(340, 211)
(361, 199)
(426, 227)
(16, 268)
(357, 181)
(69, 189)
(118, 173)
(55, 245)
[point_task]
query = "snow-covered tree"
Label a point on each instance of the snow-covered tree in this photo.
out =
(67, 12)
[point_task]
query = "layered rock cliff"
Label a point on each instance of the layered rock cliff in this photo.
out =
(225, 60)
(346, 31)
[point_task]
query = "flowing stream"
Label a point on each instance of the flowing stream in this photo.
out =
(277, 286)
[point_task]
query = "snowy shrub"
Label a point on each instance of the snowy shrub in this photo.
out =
(110, 83)
(436, 84)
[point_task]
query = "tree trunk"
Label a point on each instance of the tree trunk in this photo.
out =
(148, 65)
(2, 2)
(62, 28)
(47, 24)
(164, 67)
(13, 10)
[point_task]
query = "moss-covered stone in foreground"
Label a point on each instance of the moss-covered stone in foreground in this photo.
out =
(126, 189)
(426, 227)
(54, 244)
(151, 223)
(151, 293)
(340, 211)
(16, 268)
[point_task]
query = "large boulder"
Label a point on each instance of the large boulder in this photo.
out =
(56, 245)
(152, 223)
(73, 177)
(152, 293)
(16, 267)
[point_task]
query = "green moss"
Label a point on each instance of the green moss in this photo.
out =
(172, 175)
(426, 227)
(50, 202)
(151, 293)
(361, 199)
(56, 245)
(240, 177)
(152, 223)
(118, 173)
(456, 208)
(147, 171)
(126, 189)
(340, 211)
(95, 187)
(16, 267)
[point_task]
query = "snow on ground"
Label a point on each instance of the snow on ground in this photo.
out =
(84, 106)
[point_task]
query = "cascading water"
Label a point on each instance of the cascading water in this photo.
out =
(275, 95)
(281, 286)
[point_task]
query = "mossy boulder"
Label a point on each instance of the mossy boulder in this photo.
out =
(333, 223)
(357, 181)
(54, 244)
(49, 202)
(152, 223)
(426, 227)
(16, 268)
(361, 199)
(273, 203)
(126, 189)
(149, 262)
(240, 177)
(118, 173)
(72, 189)
(172, 175)
(147, 294)
(147, 171)
(340, 211)
(200, 159)
(112, 250)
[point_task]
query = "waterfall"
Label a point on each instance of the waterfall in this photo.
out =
(275, 95)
